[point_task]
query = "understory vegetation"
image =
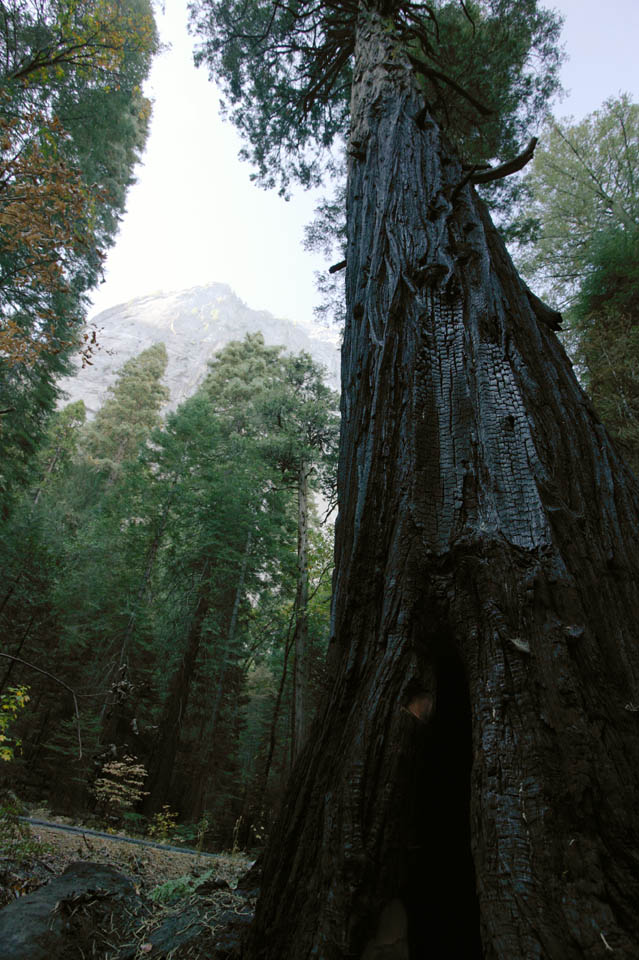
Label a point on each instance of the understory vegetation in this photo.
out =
(151, 597)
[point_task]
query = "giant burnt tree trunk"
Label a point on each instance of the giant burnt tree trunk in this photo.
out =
(485, 606)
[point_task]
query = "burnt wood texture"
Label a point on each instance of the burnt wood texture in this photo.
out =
(477, 756)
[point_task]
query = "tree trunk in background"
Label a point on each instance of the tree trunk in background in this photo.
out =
(484, 654)
(300, 639)
(118, 713)
(201, 792)
(47, 473)
(168, 739)
(17, 652)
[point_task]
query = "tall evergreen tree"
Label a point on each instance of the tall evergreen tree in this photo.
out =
(227, 533)
(301, 412)
(130, 413)
(581, 183)
(74, 122)
(470, 789)
(578, 240)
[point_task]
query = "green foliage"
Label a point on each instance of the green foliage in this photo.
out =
(135, 823)
(11, 703)
(326, 234)
(130, 413)
(605, 315)
(578, 239)
(179, 889)
(301, 414)
(142, 544)
(16, 840)
(163, 823)
(582, 183)
(192, 834)
(506, 56)
(286, 73)
(73, 122)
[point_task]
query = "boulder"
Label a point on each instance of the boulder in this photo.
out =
(69, 916)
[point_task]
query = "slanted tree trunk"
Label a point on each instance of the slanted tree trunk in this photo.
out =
(300, 638)
(475, 771)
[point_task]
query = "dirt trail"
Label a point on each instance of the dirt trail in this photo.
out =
(66, 828)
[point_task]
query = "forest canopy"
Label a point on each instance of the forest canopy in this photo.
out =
(487, 70)
(73, 123)
(154, 566)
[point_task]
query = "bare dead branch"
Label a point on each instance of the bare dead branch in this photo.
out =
(337, 267)
(510, 166)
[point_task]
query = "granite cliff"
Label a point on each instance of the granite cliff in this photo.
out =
(193, 324)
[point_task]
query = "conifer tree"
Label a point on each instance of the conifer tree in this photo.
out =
(73, 123)
(301, 414)
(131, 411)
(578, 240)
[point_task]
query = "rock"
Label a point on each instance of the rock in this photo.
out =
(212, 885)
(66, 918)
(230, 934)
(194, 325)
(175, 932)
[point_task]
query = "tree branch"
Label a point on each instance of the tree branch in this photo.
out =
(510, 166)
(337, 267)
(66, 686)
(422, 67)
(545, 314)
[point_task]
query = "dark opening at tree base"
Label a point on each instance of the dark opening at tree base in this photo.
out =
(440, 894)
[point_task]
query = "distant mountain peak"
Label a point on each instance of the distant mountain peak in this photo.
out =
(194, 325)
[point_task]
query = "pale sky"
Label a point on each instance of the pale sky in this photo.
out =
(194, 217)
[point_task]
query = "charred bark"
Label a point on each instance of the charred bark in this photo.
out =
(476, 764)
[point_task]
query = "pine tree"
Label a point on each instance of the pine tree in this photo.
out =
(301, 413)
(130, 412)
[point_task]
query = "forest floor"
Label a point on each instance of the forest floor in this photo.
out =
(174, 886)
(148, 866)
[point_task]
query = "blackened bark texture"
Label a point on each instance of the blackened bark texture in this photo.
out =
(300, 639)
(485, 605)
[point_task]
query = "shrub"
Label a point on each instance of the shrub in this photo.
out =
(163, 823)
(10, 703)
(119, 788)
